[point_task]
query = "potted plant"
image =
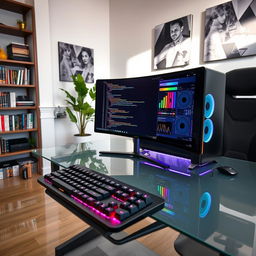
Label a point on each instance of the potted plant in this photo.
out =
(21, 24)
(80, 110)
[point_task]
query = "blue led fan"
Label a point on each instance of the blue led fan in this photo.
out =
(208, 130)
(209, 106)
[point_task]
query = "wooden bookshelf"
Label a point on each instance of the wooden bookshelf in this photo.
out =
(14, 31)
(19, 108)
(19, 86)
(14, 6)
(16, 62)
(19, 131)
(24, 37)
(16, 153)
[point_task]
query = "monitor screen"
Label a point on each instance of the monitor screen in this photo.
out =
(176, 108)
(127, 106)
(166, 108)
(180, 109)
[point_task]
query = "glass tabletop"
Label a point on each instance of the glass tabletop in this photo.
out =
(215, 209)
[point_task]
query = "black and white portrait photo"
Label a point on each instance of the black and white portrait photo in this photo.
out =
(172, 43)
(75, 60)
(230, 30)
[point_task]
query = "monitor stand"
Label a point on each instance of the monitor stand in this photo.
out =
(196, 166)
(135, 154)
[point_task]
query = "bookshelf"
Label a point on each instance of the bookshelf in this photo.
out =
(10, 12)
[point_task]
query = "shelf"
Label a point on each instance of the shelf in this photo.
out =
(18, 108)
(14, 31)
(14, 6)
(15, 62)
(16, 153)
(8, 31)
(18, 86)
(19, 131)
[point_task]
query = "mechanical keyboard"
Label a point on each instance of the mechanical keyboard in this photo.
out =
(106, 201)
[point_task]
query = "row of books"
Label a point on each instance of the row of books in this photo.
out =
(16, 122)
(16, 167)
(9, 99)
(13, 145)
(9, 169)
(14, 75)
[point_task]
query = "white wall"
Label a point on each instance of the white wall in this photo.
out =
(131, 33)
(120, 32)
(83, 23)
(79, 22)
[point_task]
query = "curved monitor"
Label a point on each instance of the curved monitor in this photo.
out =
(127, 106)
(166, 108)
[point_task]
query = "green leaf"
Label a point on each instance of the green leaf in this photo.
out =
(88, 112)
(77, 108)
(80, 100)
(85, 106)
(71, 115)
(70, 103)
(80, 85)
(69, 96)
(92, 92)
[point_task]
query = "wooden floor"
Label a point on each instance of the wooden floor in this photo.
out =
(33, 224)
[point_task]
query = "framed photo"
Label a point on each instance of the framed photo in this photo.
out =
(172, 43)
(75, 60)
(230, 30)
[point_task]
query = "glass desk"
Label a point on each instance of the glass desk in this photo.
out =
(215, 209)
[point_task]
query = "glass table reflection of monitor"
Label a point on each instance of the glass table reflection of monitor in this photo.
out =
(215, 209)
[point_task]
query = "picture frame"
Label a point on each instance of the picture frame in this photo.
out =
(172, 43)
(230, 30)
(73, 60)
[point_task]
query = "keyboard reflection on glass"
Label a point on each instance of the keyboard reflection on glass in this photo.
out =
(106, 201)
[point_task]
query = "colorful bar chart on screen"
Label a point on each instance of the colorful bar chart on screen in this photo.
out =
(168, 101)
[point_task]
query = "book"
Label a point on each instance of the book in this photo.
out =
(11, 57)
(21, 45)
(12, 99)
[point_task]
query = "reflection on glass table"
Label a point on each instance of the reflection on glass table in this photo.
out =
(215, 209)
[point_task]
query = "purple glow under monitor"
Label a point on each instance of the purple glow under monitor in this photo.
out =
(176, 164)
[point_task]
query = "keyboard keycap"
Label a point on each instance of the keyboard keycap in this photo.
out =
(62, 186)
(124, 196)
(97, 204)
(113, 204)
(124, 205)
(90, 201)
(109, 211)
(95, 195)
(140, 203)
(131, 199)
(147, 199)
(132, 208)
(138, 194)
(103, 192)
(109, 188)
(121, 214)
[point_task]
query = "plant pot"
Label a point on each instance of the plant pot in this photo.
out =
(22, 25)
(81, 139)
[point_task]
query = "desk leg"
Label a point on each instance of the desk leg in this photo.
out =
(54, 167)
(81, 238)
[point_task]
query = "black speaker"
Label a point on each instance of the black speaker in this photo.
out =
(213, 119)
